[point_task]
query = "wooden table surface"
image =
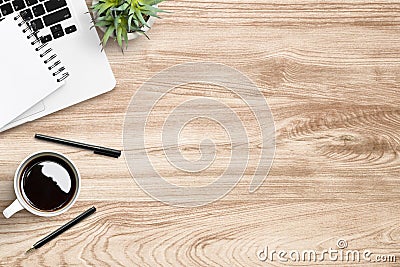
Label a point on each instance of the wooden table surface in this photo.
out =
(329, 71)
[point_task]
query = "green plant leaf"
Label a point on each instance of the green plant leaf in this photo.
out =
(122, 7)
(107, 34)
(125, 35)
(150, 14)
(154, 10)
(140, 17)
(129, 23)
(150, 2)
(119, 36)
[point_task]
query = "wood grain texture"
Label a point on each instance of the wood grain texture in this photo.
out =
(330, 73)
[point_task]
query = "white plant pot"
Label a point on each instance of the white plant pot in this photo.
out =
(131, 35)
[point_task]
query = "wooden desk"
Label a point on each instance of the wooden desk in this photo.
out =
(330, 73)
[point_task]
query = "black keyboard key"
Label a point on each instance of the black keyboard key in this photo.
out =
(6, 9)
(57, 31)
(38, 10)
(52, 5)
(31, 2)
(26, 14)
(18, 5)
(37, 24)
(57, 17)
(70, 29)
(46, 39)
(59, 34)
(1, 2)
(56, 28)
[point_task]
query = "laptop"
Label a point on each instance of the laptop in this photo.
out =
(68, 26)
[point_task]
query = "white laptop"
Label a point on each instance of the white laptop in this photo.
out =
(68, 26)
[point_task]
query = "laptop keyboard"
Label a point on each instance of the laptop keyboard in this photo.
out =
(41, 14)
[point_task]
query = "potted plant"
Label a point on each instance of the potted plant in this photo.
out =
(124, 20)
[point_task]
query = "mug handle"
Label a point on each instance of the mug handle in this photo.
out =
(12, 209)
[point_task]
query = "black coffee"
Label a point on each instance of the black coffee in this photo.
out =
(48, 183)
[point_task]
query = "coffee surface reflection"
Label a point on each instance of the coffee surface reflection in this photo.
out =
(48, 183)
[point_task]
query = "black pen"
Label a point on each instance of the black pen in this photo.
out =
(96, 149)
(62, 229)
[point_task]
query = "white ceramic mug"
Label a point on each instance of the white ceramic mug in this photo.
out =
(22, 203)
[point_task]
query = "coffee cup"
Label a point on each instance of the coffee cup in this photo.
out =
(46, 184)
